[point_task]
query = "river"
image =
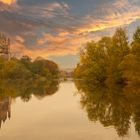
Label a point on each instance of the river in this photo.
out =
(56, 116)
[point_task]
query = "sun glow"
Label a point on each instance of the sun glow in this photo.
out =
(9, 2)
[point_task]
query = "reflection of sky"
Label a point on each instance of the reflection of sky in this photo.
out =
(58, 29)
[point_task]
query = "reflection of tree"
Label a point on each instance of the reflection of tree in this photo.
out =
(46, 90)
(38, 89)
(133, 94)
(112, 106)
(5, 109)
(24, 90)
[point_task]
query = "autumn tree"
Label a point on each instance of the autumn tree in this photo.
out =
(130, 65)
(100, 60)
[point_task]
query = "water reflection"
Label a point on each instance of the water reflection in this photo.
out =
(5, 109)
(25, 90)
(114, 105)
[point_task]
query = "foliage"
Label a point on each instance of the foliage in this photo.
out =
(25, 68)
(110, 73)
(111, 60)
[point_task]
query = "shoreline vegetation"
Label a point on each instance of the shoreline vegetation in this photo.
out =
(25, 69)
(111, 60)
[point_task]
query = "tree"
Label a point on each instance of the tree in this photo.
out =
(15, 70)
(117, 51)
(45, 68)
(136, 43)
(130, 66)
(100, 61)
(136, 36)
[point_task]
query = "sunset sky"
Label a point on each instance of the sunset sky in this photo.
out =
(57, 29)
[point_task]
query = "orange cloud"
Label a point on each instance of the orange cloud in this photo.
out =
(9, 2)
(19, 39)
(71, 38)
(113, 18)
(19, 50)
(59, 45)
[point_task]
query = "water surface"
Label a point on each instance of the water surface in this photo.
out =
(53, 112)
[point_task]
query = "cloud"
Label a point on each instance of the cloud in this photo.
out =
(19, 49)
(59, 45)
(119, 13)
(120, 3)
(56, 5)
(53, 29)
(9, 2)
(46, 11)
(20, 39)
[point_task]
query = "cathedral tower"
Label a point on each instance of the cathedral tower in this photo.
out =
(4, 47)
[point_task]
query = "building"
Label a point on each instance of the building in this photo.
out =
(5, 109)
(4, 47)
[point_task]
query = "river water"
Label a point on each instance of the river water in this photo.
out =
(58, 115)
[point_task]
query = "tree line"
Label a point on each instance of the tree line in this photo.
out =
(25, 68)
(111, 59)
